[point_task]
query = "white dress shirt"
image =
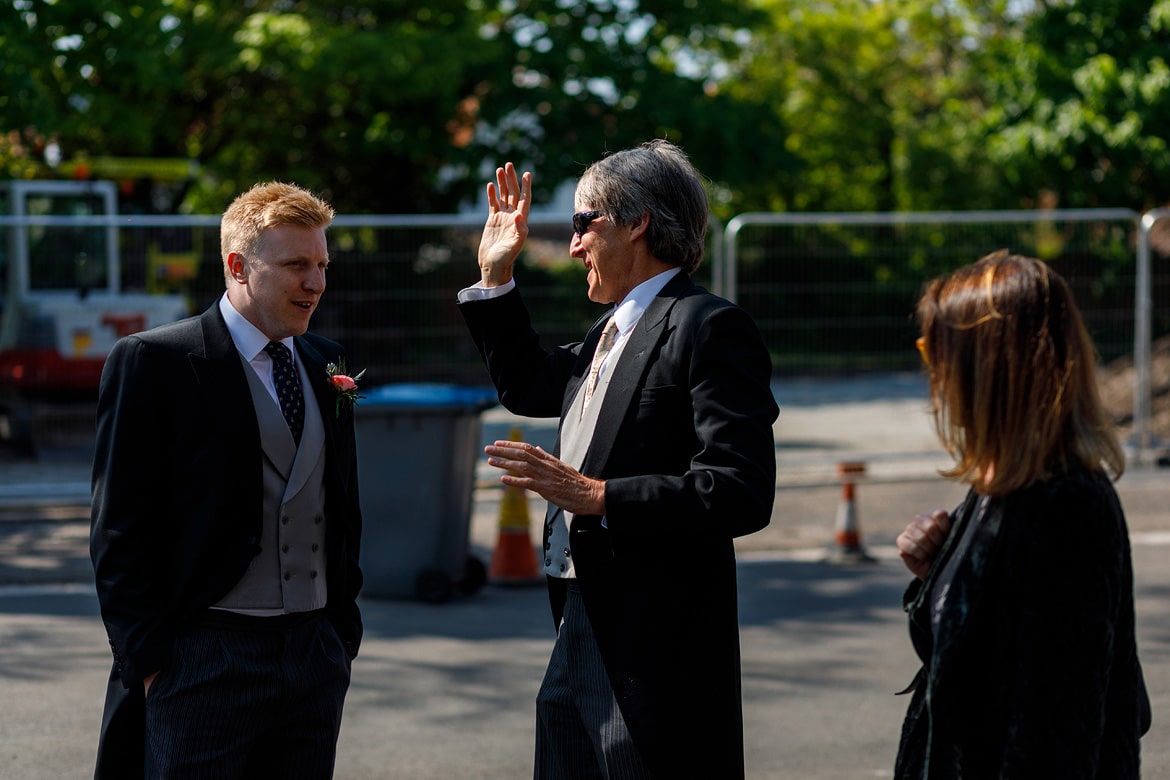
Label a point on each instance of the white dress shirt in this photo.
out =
(250, 343)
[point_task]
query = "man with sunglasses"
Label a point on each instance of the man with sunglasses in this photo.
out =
(664, 455)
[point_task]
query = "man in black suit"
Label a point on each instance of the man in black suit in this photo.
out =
(226, 524)
(664, 454)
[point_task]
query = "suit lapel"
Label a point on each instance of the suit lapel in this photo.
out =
(220, 375)
(276, 439)
(314, 363)
(628, 374)
(312, 437)
(584, 358)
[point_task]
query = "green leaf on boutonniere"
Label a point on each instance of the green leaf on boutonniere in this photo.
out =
(345, 385)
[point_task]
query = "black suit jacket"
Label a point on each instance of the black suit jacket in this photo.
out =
(177, 501)
(1032, 668)
(684, 441)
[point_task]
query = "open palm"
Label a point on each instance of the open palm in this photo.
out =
(504, 233)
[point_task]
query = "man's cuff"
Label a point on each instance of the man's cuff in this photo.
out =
(477, 292)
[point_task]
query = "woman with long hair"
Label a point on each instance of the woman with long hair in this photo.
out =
(1022, 608)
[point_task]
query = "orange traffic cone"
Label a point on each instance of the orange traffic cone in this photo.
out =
(847, 534)
(514, 560)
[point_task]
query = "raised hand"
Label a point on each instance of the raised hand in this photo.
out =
(506, 229)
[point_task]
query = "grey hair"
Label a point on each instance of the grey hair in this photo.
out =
(654, 178)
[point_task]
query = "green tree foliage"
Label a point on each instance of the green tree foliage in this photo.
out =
(352, 99)
(881, 102)
(384, 105)
(585, 78)
(1082, 110)
(794, 105)
(96, 76)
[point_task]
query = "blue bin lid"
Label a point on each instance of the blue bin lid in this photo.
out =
(423, 395)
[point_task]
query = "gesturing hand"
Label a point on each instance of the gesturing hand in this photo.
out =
(552, 479)
(506, 229)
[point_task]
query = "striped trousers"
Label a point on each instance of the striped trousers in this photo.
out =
(248, 697)
(580, 731)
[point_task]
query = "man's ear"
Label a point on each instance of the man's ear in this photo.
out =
(237, 267)
(639, 226)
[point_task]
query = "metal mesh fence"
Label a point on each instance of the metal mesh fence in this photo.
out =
(832, 293)
(838, 292)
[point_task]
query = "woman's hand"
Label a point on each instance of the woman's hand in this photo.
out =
(921, 540)
(509, 200)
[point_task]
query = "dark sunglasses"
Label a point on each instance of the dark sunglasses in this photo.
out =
(583, 219)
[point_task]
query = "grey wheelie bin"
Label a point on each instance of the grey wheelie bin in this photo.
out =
(418, 445)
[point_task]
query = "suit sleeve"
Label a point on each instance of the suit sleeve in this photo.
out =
(127, 472)
(710, 429)
(529, 380)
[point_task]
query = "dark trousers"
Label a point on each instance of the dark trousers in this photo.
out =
(580, 731)
(248, 697)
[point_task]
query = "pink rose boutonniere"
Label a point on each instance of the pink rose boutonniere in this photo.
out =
(345, 385)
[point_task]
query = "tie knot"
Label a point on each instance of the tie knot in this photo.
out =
(604, 345)
(277, 351)
(609, 333)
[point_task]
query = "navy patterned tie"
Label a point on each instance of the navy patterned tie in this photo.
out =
(288, 388)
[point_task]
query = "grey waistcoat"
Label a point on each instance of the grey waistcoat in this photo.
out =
(288, 574)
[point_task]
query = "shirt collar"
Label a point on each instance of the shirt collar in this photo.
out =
(634, 305)
(249, 339)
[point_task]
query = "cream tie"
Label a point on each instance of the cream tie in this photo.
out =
(604, 345)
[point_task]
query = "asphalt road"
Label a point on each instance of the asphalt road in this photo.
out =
(446, 691)
(443, 692)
